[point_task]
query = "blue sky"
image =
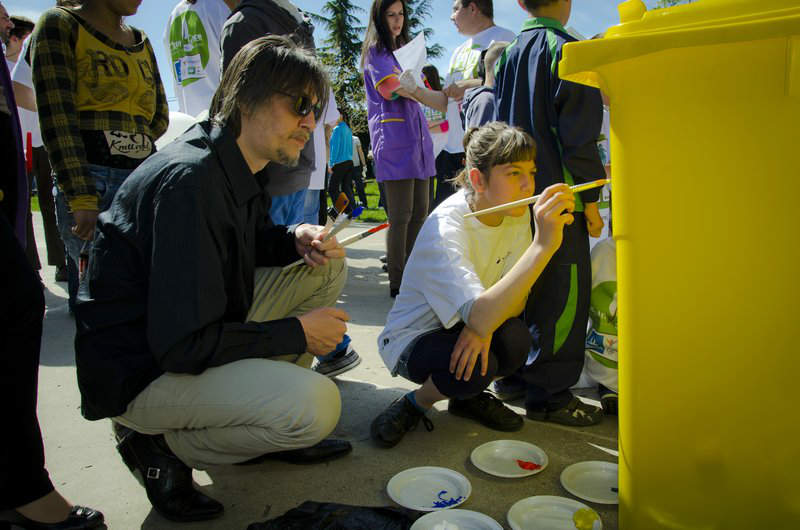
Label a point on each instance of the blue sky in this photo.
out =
(588, 17)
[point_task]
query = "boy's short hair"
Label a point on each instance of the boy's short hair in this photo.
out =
(536, 4)
(484, 6)
(23, 26)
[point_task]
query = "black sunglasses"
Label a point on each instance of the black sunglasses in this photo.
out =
(303, 106)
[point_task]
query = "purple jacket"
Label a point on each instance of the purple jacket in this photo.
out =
(401, 144)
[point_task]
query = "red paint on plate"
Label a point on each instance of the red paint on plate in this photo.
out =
(530, 466)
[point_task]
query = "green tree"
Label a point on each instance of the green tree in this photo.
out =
(670, 3)
(420, 10)
(340, 53)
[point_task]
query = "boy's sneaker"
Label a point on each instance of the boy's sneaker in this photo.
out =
(575, 414)
(338, 363)
(487, 410)
(393, 423)
(509, 388)
(610, 401)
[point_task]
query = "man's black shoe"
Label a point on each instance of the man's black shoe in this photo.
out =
(393, 423)
(488, 410)
(167, 480)
(327, 449)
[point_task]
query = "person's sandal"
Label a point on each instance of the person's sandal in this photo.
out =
(575, 414)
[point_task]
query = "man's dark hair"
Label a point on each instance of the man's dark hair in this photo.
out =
(484, 6)
(378, 34)
(22, 27)
(530, 5)
(260, 69)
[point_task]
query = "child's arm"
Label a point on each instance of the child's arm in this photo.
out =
(507, 297)
(580, 117)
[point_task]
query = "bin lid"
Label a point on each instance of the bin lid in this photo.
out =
(701, 23)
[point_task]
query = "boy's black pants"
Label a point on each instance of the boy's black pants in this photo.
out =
(557, 313)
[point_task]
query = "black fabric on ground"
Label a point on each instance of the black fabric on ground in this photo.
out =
(313, 515)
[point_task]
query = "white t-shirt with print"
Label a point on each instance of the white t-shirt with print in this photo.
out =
(453, 261)
(191, 39)
(317, 181)
(464, 65)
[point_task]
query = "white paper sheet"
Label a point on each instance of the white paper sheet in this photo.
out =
(413, 56)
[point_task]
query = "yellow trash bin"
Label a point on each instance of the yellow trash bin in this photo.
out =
(705, 149)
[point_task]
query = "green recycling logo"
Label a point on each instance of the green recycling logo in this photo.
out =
(188, 43)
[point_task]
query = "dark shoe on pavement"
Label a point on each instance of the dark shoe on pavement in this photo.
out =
(383, 258)
(487, 410)
(609, 400)
(385, 267)
(326, 450)
(393, 423)
(509, 388)
(79, 518)
(394, 292)
(167, 480)
(61, 273)
(575, 414)
(339, 363)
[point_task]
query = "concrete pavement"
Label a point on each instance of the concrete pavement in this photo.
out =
(86, 468)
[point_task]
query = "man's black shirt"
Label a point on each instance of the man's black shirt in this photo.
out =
(170, 279)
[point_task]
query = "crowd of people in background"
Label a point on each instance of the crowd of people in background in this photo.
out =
(191, 336)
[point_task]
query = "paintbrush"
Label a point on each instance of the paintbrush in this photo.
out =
(530, 200)
(342, 220)
(361, 235)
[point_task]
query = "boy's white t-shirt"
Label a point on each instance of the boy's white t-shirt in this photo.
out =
(331, 116)
(29, 120)
(601, 339)
(192, 42)
(463, 65)
(453, 261)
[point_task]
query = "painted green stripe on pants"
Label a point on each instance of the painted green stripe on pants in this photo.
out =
(567, 318)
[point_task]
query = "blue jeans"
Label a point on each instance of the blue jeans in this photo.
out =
(107, 181)
(288, 209)
(311, 207)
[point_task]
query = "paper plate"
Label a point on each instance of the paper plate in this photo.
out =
(546, 512)
(592, 481)
(509, 458)
(461, 519)
(428, 488)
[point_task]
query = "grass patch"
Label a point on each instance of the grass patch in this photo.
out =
(372, 213)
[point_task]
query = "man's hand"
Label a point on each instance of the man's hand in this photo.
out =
(309, 244)
(454, 91)
(551, 212)
(594, 223)
(468, 348)
(85, 222)
(324, 329)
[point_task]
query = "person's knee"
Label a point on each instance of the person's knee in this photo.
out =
(325, 406)
(512, 343)
(451, 387)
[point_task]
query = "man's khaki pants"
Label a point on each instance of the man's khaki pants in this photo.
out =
(244, 409)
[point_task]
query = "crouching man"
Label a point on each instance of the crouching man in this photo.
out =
(191, 338)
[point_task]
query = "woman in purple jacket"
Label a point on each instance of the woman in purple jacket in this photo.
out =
(401, 144)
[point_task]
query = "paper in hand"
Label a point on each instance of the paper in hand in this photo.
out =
(412, 57)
